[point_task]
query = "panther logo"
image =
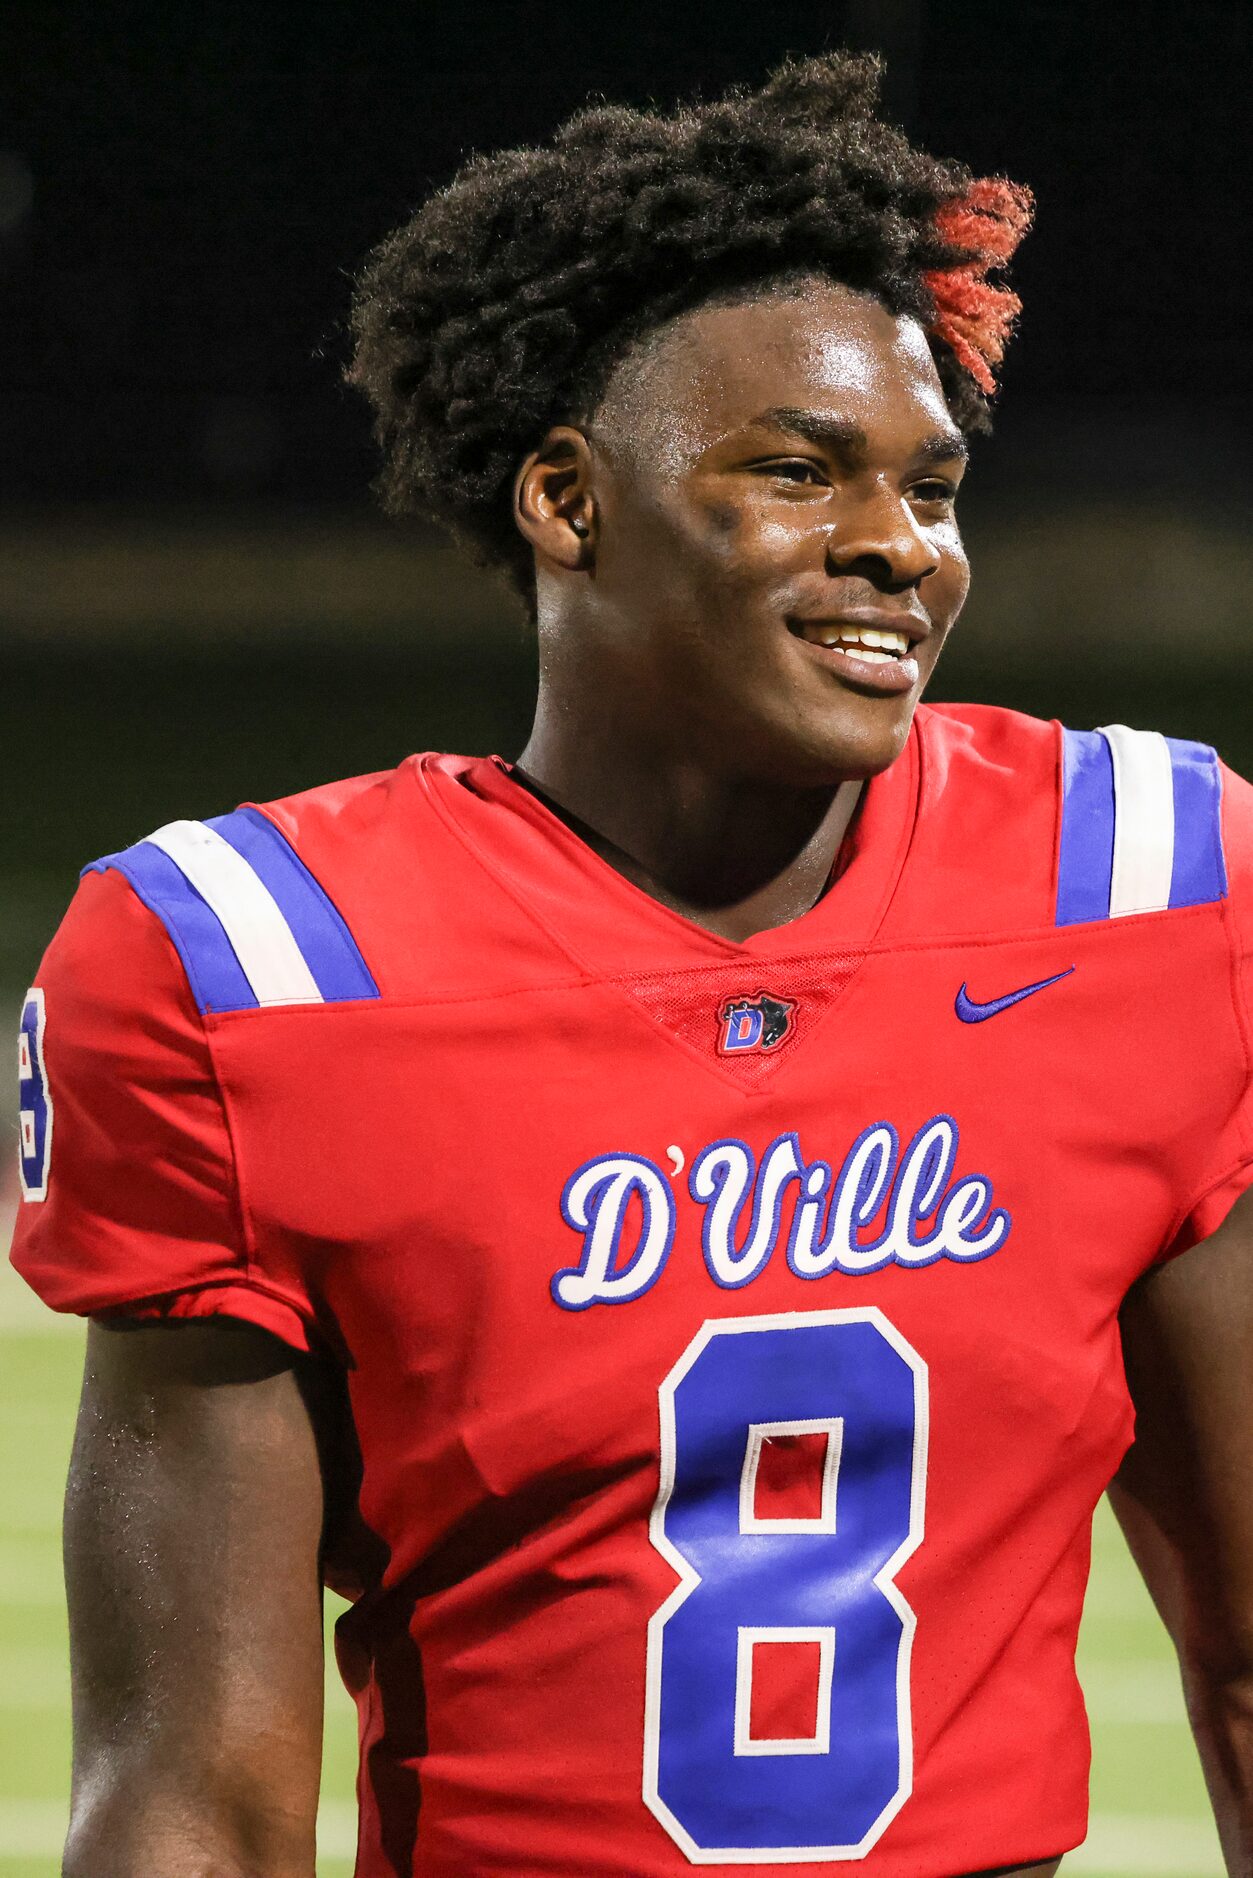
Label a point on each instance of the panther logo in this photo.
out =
(758, 1023)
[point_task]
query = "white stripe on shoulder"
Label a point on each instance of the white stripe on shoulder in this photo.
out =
(1144, 820)
(260, 937)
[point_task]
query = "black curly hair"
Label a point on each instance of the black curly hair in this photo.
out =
(503, 306)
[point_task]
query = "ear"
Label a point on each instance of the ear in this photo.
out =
(552, 499)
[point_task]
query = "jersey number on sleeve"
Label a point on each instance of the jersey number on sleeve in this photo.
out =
(778, 1723)
(34, 1100)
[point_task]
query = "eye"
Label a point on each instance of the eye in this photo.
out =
(792, 469)
(934, 492)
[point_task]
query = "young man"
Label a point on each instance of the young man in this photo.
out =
(653, 1223)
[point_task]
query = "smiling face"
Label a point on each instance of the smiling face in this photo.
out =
(767, 489)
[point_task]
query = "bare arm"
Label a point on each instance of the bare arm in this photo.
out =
(194, 1516)
(1184, 1496)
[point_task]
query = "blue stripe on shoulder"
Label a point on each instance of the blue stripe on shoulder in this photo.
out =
(214, 973)
(1199, 873)
(317, 924)
(1085, 864)
(1090, 811)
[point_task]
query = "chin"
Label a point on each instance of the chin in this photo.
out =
(808, 748)
(853, 746)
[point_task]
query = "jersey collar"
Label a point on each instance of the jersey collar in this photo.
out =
(611, 923)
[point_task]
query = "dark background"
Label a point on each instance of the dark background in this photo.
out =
(202, 179)
(197, 604)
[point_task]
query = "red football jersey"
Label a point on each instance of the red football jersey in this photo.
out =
(731, 1329)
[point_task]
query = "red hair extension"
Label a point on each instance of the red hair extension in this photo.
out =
(972, 317)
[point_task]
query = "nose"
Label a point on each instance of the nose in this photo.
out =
(878, 537)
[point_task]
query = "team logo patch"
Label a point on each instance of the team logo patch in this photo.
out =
(34, 1100)
(760, 1023)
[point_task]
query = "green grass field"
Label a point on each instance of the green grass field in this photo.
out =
(1149, 1817)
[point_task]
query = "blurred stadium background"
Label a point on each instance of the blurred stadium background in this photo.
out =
(198, 606)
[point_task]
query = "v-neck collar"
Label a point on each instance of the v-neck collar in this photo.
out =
(614, 925)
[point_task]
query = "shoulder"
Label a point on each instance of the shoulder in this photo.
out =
(111, 1042)
(982, 855)
(338, 819)
(251, 922)
(1236, 845)
(1237, 827)
(1063, 826)
(316, 898)
(983, 742)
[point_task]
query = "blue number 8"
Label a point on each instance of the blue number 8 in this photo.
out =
(827, 1578)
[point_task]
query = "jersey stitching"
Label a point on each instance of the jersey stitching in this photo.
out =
(1198, 1199)
(244, 1255)
(1240, 1014)
(720, 1073)
(471, 847)
(341, 1007)
(1059, 803)
(164, 911)
(717, 1070)
(243, 1281)
(1238, 1004)
(251, 1269)
(246, 1235)
(1214, 835)
(1100, 931)
(729, 952)
(329, 906)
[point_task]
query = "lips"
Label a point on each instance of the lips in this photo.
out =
(870, 648)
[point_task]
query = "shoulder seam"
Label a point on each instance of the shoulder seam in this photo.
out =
(247, 1234)
(1239, 1004)
(243, 1256)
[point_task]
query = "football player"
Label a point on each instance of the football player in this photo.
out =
(673, 1228)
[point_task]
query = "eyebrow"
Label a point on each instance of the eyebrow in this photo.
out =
(849, 440)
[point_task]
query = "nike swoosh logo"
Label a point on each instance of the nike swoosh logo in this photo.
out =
(972, 1013)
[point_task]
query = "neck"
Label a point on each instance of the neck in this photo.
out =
(734, 854)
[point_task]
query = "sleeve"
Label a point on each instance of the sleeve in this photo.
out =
(128, 1198)
(1230, 1167)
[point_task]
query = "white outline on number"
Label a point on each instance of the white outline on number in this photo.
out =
(750, 1635)
(39, 1071)
(689, 1578)
(758, 1433)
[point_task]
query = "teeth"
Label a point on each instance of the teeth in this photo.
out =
(870, 643)
(876, 658)
(880, 641)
